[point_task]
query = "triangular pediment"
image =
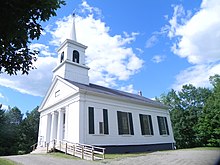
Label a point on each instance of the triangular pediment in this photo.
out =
(59, 90)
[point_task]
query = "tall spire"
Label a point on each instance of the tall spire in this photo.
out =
(73, 30)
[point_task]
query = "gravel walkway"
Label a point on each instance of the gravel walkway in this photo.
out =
(177, 157)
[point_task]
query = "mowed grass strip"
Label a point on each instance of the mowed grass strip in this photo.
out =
(118, 156)
(62, 155)
(8, 162)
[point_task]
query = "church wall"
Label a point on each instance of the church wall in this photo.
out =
(77, 73)
(72, 120)
(113, 138)
(43, 132)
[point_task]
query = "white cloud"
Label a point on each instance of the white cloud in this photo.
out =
(110, 58)
(128, 88)
(196, 38)
(43, 49)
(151, 41)
(85, 8)
(4, 107)
(197, 75)
(38, 80)
(158, 58)
(2, 96)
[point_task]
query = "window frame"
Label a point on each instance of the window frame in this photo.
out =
(146, 129)
(125, 117)
(91, 123)
(62, 57)
(105, 121)
(57, 93)
(75, 56)
(163, 125)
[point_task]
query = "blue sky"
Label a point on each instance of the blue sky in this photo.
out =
(152, 46)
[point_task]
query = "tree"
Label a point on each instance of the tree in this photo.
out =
(2, 130)
(20, 23)
(9, 137)
(186, 108)
(209, 122)
(29, 130)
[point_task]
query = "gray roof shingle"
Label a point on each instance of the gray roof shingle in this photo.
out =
(116, 93)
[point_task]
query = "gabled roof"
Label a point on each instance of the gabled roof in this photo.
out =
(116, 93)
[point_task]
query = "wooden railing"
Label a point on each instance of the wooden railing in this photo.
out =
(82, 151)
(34, 146)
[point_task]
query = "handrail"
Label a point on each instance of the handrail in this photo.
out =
(84, 151)
(34, 146)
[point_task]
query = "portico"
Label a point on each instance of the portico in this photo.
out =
(55, 126)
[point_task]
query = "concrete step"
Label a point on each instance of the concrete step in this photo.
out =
(39, 150)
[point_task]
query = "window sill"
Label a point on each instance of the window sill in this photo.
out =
(164, 135)
(99, 134)
(126, 135)
(148, 135)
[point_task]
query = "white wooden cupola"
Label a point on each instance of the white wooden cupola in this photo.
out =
(71, 59)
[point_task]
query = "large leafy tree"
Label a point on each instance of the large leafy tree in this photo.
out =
(20, 23)
(186, 108)
(209, 122)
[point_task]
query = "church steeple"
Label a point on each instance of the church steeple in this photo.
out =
(71, 59)
(73, 29)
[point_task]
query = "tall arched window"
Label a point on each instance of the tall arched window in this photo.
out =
(61, 57)
(75, 56)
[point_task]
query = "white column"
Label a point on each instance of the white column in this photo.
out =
(54, 126)
(65, 136)
(60, 124)
(48, 128)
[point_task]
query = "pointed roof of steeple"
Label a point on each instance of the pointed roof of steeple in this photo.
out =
(73, 29)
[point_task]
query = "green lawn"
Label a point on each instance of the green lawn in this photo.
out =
(115, 156)
(7, 162)
(62, 155)
(205, 148)
(120, 156)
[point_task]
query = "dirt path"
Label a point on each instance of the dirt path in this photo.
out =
(177, 157)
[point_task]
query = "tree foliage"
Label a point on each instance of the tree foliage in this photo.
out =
(20, 23)
(17, 134)
(195, 114)
(209, 122)
(29, 130)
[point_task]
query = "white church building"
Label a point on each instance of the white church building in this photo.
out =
(78, 111)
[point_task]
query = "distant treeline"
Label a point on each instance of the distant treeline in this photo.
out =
(195, 114)
(17, 134)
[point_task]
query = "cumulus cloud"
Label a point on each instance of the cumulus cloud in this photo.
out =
(197, 75)
(129, 88)
(158, 58)
(110, 58)
(197, 39)
(199, 36)
(36, 82)
(43, 49)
